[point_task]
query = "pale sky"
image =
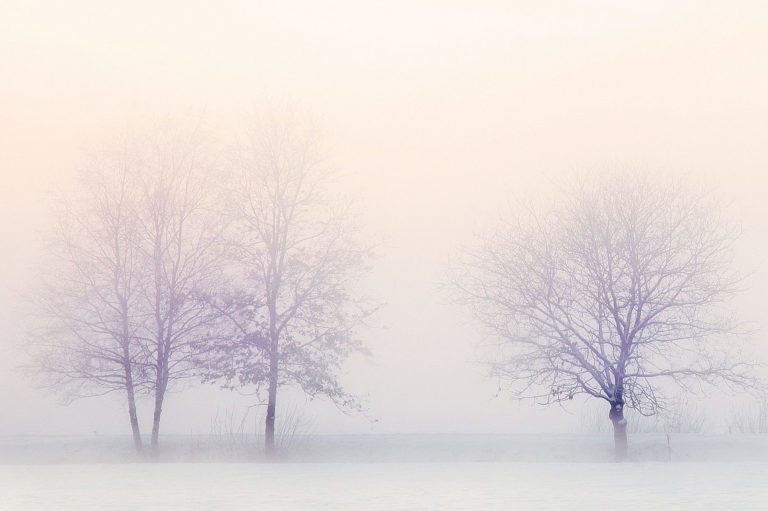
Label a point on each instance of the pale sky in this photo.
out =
(439, 115)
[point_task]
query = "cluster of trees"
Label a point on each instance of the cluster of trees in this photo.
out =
(173, 261)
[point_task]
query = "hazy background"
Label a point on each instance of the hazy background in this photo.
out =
(438, 114)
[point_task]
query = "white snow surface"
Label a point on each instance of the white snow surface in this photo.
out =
(387, 472)
(384, 486)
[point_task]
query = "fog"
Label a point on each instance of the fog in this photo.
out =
(439, 116)
(443, 123)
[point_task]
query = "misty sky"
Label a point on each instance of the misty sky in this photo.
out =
(439, 115)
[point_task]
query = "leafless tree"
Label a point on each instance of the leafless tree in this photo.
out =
(614, 293)
(90, 302)
(135, 257)
(751, 417)
(295, 309)
(180, 240)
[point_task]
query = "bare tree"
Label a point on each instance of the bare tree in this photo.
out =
(90, 303)
(295, 310)
(751, 417)
(180, 237)
(136, 256)
(610, 295)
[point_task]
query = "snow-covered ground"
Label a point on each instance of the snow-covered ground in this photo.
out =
(408, 472)
(385, 486)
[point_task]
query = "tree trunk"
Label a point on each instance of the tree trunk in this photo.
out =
(159, 395)
(160, 386)
(132, 412)
(128, 369)
(131, 393)
(269, 431)
(619, 431)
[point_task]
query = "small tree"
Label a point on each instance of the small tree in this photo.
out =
(609, 295)
(751, 417)
(90, 303)
(294, 310)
